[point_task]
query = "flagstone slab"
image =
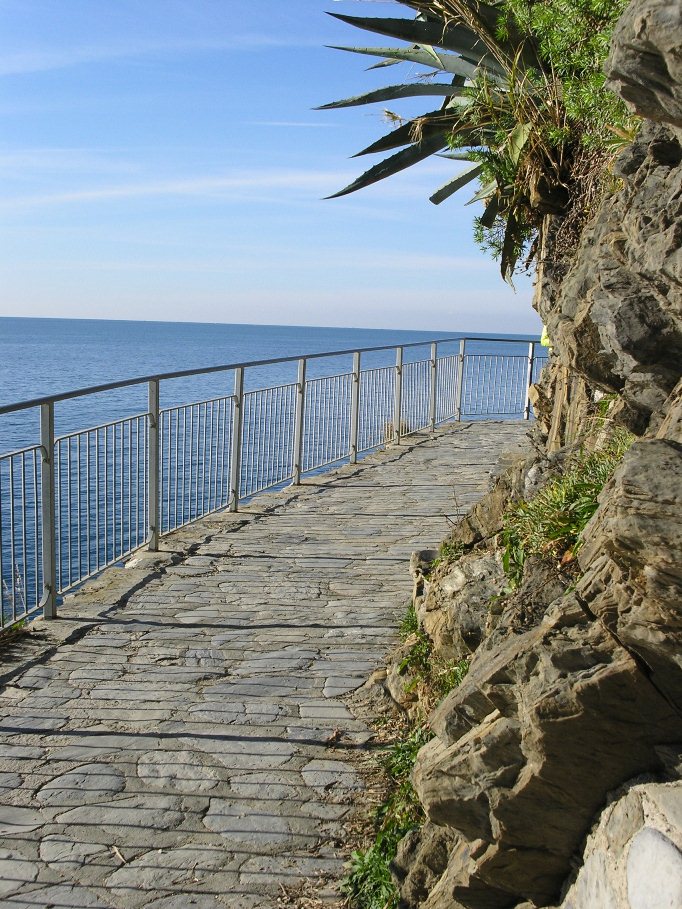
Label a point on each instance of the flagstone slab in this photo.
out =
(87, 784)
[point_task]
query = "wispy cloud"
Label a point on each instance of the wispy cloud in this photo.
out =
(24, 161)
(357, 263)
(45, 59)
(312, 181)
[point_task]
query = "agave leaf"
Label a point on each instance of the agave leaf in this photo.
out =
(492, 210)
(432, 123)
(458, 38)
(389, 166)
(455, 156)
(487, 17)
(448, 63)
(394, 92)
(403, 134)
(509, 255)
(517, 139)
(383, 63)
(488, 13)
(453, 185)
(484, 192)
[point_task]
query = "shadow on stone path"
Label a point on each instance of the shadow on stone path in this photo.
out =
(179, 737)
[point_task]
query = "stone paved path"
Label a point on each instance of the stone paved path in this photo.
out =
(179, 738)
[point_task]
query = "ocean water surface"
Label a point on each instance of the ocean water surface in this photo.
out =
(49, 356)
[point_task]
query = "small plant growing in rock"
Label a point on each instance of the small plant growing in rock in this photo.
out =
(448, 676)
(435, 677)
(449, 551)
(409, 624)
(551, 523)
(369, 884)
(419, 655)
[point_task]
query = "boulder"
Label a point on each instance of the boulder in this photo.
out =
(645, 64)
(633, 857)
(531, 741)
(632, 561)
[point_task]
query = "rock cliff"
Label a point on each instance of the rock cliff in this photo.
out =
(570, 717)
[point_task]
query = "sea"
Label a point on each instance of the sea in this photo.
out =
(41, 357)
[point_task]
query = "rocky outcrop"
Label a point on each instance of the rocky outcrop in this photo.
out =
(617, 319)
(632, 562)
(645, 64)
(575, 681)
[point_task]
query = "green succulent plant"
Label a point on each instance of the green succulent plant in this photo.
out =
(517, 104)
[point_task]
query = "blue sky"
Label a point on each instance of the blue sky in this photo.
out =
(161, 160)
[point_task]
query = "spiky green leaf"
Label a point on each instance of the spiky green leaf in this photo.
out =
(492, 210)
(487, 17)
(395, 92)
(448, 63)
(457, 38)
(382, 63)
(435, 122)
(452, 186)
(517, 139)
(389, 166)
(484, 192)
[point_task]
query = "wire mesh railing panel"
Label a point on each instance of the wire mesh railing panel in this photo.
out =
(20, 535)
(267, 438)
(326, 424)
(446, 388)
(100, 497)
(415, 402)
(375, 418)
(195, 444)
(494, 384)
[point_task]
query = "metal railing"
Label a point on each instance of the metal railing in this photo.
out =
(75, 504)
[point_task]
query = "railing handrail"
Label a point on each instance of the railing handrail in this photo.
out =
(226, 367)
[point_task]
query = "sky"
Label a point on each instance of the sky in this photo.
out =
(162, 160)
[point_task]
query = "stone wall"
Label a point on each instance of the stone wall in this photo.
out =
(575, 684)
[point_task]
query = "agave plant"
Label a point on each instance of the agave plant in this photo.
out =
(502, 111)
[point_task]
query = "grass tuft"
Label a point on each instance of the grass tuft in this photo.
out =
(550, 524)
(369, 884)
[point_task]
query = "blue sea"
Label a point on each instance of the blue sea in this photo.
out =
(50, 356)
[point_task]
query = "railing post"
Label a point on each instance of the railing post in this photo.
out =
(529, 380)
(153, 466)
(354, 409)
(237, 434)
(434, 380)
(48, 602)
(298, 422)
(460, 378)
(398, 393)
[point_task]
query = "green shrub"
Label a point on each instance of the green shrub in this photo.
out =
(550, 524)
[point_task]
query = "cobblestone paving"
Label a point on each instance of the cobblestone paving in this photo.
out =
(179, 737)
